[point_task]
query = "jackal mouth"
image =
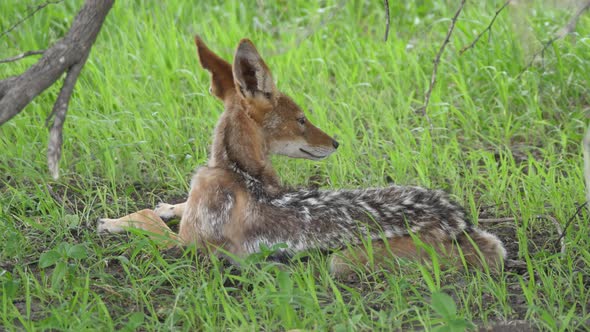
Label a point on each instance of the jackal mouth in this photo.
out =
(311, 154)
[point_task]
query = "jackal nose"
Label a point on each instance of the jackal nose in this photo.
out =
(335, 144)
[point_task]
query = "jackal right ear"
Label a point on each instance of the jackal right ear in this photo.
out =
(222, 80)
(252, 76)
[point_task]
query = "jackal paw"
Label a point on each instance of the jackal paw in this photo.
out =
(106, 225)
(165, 211)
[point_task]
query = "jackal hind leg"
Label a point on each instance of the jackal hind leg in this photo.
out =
(343, 263)
(372, 255)
(146, 220)
(476, 248)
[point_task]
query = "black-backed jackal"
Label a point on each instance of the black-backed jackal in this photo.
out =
(236, 203)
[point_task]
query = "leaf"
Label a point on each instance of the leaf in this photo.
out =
(49, 258)
(8, 286)
(58, 274)
(460, 324)
(285, 282)
(77, 252)
(63, 247)
(72, 220)
(135, 321)
(356, 319)
(339, 328)
(443, 328)
(444, 305)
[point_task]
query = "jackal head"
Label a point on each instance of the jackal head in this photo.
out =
(248, 84)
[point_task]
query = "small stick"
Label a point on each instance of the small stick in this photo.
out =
(436, 61)
(567, 224)
(560, 239)
(489, 28)
(554, 221)
(22, 56)
(33, 12)
(58, 199)
(387, 19)
(496, 220)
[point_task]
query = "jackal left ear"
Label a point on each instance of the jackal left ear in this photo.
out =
(251, 74)
(222, 81)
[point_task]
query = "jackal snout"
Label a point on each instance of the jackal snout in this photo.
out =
(291, 134)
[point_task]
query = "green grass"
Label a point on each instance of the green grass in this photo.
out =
(141, 118)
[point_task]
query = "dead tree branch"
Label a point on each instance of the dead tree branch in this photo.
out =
(68, 55)
(387, 19)
(488, 28)
(59, 111)
(22, 56)
(31, 13)
(566, 30)
(436, 62)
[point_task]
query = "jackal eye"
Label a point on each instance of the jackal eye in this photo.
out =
(301, 121)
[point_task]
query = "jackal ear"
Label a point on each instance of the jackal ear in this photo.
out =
(251, 74)
(222, 80)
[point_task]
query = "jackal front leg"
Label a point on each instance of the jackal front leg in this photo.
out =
(146, 220)
(169, 211)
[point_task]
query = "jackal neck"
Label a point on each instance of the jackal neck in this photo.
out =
(239, 146)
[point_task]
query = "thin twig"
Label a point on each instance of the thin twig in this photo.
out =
(541, 216)
(495, 220)
(436, 61)
(567, 224)
(387, 19)
(489, 28)
(560, 231)
(22, 56)
(108, 289)
(58, 199)
(31, 13)
(560, 239)
(566, 30)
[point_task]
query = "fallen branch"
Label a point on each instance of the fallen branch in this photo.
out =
(68, 55)
(21, 56)
(566, 30)
(488, 28)
(31, 13)
(387, 19)
(436, 61)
